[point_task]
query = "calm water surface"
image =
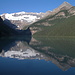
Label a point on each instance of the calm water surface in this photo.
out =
(40, 56)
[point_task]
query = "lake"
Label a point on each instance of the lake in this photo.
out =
(37, 56)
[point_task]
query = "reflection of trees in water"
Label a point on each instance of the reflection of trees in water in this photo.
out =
(20, 49)
(25, 48)
(58, 50)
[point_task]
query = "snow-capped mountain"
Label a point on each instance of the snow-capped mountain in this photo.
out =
(22, 19)
(29, 17)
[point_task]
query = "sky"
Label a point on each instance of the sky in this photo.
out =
(13, 6)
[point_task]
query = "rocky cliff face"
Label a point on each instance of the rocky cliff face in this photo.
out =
(72, 10)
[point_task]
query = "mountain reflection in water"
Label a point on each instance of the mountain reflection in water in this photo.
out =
(58, 50)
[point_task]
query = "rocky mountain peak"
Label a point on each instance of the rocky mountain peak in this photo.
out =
(66, 3)
(63, 6)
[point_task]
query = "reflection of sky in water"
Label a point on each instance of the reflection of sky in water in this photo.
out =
(37, 59)
(31, 67)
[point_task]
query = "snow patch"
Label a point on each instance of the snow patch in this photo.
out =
(22, 16)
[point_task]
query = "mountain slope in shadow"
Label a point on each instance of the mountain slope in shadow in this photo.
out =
(6, 30)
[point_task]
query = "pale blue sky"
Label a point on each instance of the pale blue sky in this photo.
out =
(11, 6)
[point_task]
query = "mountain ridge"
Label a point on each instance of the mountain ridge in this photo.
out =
(63, 6)
(53, 23)
(23, 19)
(40, 20)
